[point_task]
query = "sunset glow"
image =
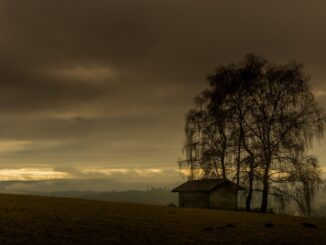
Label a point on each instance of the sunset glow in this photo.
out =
(31, 174)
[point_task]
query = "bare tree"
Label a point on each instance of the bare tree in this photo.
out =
(253, 124)
(207, 140)
(283, 118)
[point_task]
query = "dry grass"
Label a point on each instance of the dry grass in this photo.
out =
(42, 220)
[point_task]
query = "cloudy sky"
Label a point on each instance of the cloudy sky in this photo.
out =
(94, 88)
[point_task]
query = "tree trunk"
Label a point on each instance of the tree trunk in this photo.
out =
(307, 198)
(264, 201)
(251, 171)
(223, 163)
(248, 200)
(238, 160)
(240, 140)
(223, 168)
(250, 187)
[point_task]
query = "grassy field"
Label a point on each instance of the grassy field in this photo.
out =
(44, 220)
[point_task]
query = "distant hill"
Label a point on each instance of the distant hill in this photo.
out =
(154, 196)
(95, 189)
(89, 185)
(48, 220)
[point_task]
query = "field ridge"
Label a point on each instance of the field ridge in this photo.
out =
(50, 220)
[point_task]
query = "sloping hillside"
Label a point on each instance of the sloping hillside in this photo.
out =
(44, 220)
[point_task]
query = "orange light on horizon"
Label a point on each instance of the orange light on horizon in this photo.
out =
(31, 174)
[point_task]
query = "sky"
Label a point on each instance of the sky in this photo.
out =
(100, 88)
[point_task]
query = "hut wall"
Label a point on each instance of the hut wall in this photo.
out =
(194, 199)
(223, 198)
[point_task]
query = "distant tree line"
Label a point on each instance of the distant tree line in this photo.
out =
(253, 124)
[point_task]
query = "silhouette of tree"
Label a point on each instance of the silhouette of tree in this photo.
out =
(254, 124)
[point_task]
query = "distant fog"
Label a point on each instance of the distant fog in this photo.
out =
(99, 185)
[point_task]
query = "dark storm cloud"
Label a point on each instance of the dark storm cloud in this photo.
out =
(144, 43)
(112, 80)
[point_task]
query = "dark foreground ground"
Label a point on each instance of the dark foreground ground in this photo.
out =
(44, 220)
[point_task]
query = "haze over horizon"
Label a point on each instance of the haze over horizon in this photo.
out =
(99, 89)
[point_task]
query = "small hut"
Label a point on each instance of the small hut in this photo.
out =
(208, 193)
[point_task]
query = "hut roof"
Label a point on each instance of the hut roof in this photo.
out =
(204, 185)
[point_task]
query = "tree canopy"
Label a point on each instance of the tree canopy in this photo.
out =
(253, 124)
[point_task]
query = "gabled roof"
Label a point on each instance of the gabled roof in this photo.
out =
(204, 185)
